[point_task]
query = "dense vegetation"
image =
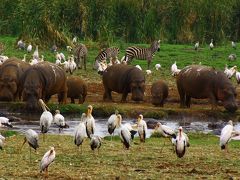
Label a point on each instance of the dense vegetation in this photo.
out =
(128, 20)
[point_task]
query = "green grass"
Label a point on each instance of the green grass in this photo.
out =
(183, 54)
(203, 159)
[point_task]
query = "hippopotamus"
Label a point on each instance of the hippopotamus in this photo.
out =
(202, 82)
(77, 89)
(10, 73)
(159, 92)
(41, 81)
(123, 79)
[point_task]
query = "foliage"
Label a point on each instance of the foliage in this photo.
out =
(105, 21)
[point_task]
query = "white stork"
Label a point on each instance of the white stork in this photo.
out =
(211, 46)
(95, 142)
(47, 159)
(196, 46)
(5, 122)
(80, 134)
(112, 123)
(158, 66)
(59, 120)
(89, 121)
(45, 119)
(226, 134)
(32, 138)
(142, 128)
(71, 64)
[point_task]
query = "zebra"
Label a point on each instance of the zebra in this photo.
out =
(142, 53)
(108, 53)
(80, 56)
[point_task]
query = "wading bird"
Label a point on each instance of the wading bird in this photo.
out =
(112, 123)
(211, 46)
(80, 134)
(47, 159)
(32, 138)
(89, 121)
(4, 121)
(59, 120)
(95, 142)
(45, 119)
(29, 48)
(142, 128)
(180, 143)
(226, 134)
(158, 66)
(196, 46)
(174, 69)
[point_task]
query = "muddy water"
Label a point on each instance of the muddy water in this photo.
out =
(189, 125)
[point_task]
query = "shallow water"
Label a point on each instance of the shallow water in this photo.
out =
(192, 125)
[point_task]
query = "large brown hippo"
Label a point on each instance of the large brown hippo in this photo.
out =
(41, 81)
(77, 89)
(123, 79)
(202, 82)
(159, 92)
(10, 73)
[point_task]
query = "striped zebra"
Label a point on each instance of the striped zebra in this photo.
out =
(142, 53)
(108, 53)
(80, 56)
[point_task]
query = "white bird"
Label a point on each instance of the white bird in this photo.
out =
(5, 122)
(124, 133)
(24, 58)
(230, 71)
(165, 131)
(45, 119)
(62, 56)
(29, 48)
(71, 64)
(59, 120)
(58, 62)
(234, 45)
(3, 58)
(47, 159)
(33, 61)
(211, 46)
(232, 57)
(196, 46)
(89, 121)
(2, 139)
(80, 134)
(174, 69)
(158, 66)
(112, 123)
(21, 44)
(32, 138)
(69, 48)
(74, 41)
(58, 56)
(35, 53)
(226, 134)
(139, 67)
(95, 142)
(148, 72)
(142, 128)
(180, 143)
(238, 77)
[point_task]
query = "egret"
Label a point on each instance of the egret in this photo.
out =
(45, 119)
(142, 128)
(29, 48)
(124, 133)
(71, 64)
(234, 45)
(4, 121)
(59, 120)
(89, 121)
(80, 134)
(112, 123)
(211, 46)
(174, 69)
(139, 67)
(226, 134)
(36, 54)
(158, 66)
(47, 159)
(196, 46)
(180, 143)
(32, 138)
(95, 142)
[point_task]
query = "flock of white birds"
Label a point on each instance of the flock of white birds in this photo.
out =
(86, 128)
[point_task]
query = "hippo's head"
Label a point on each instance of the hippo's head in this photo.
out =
(8, 89)
(31, 94)
(137, 84)
(228, 97)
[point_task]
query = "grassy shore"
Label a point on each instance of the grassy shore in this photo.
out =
(203, 159)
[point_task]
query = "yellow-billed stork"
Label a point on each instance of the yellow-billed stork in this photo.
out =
(80, 134)
(89, 121)
(47, 159)
(142, 128)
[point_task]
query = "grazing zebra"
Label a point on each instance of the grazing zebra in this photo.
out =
(108, 53)
(142, 53)
(80, 56)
